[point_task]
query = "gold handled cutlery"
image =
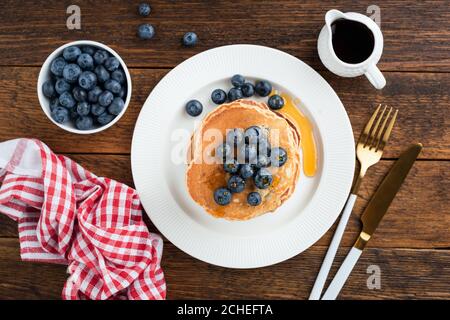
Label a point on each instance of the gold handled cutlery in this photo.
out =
(373, 214)
(369, 150)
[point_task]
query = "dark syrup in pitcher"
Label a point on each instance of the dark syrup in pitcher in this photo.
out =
(353, 41)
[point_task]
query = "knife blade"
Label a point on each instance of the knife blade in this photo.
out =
(385, 193)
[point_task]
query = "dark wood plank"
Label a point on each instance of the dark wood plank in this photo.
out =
(416, 32)
(423, 101)
(405, 274)
(416, 218)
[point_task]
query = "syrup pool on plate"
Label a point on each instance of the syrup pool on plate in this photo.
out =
(307, 143)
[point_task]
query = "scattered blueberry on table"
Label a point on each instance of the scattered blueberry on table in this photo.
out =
(87, 86)
(190, 39)
(144, 9)
(194, 108)
(146, 31)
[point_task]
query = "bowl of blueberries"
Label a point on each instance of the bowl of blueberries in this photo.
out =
(84, 87)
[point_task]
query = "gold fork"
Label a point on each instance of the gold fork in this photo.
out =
(369, 150)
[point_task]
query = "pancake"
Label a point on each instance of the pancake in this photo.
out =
(203, 177)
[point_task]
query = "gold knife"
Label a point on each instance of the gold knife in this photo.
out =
(373, 214)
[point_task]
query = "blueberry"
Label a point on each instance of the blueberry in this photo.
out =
(62, 85)
(231, 166)
(263, 179)
(235, 94)
(262, 161)
(264, 147)
(100, 56)
(83, 108)
(66, 100)
(105, 98)
(102, 73)
(79, 94)
(71, 72)
(222, 196)
(237, 80)
(54, 103)
(87, 80)
(122, 93)
(276, 102)
(105, 118)
(119, 76)
(246, 171)
(48, 89)
(144, 9)
(223, 151)
(146, 31)
(263, 88)
(60, 114)
(236, 184)
(94, 94)
(247, 153)
(278, 156)
(190, 39)
(113, 86)
(116, 106)
(254, 199)
(73, 115)
(111, 64)
(57, 66)
(235, 137)
(97, 109)
(88, 49)
(194, 108)
(71, 53)
(85, 61)
(218, 96)
(248, 89)
(253, 134)
(84, 123)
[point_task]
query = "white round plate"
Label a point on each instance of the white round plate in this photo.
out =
(161, 137)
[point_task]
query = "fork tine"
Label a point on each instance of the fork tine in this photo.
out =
(374, 130)
(377, 141)
(388, 132)
(365, 134)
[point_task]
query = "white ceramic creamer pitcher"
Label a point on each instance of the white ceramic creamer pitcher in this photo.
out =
(337, 66)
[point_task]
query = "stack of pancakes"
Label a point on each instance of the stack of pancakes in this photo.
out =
(204, 177)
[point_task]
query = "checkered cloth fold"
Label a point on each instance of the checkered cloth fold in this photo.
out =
(67, 215)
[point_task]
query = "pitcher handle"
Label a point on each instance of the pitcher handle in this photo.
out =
(375, 77)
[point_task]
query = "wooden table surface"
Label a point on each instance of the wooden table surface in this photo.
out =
(412, 244)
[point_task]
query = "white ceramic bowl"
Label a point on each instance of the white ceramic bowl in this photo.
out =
(45, 75)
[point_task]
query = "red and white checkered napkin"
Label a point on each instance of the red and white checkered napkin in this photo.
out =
(67, 215)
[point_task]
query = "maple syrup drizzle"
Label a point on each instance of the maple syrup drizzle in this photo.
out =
(307, 142)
